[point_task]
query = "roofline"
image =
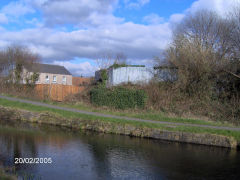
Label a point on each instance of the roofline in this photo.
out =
(70, 74)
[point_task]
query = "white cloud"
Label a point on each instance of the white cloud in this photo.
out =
(3, 18)
(36, 3)
(176, 18)
(83, 13)
(78, 69)
(77, 12)
(17, 8)
(35, 22)
(220, 6)
(134, 40)
(153, 19)
(103, 20)
(3, 44)
(100, 30)
(135, 4)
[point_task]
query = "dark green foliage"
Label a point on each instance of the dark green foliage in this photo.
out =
(115, 65)
(32, 79)
(35, 77)
(18, 72)
(104, 77)
(120, 98)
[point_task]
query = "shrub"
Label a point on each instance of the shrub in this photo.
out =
(103, 77)
(120, 98)
(115, 65)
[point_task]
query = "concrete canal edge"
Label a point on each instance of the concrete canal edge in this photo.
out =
(12, 114)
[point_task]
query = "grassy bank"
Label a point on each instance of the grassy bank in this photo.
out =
(67, 114)
(141, 114)
(4, 176)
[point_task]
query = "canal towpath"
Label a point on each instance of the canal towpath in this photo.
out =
(116, 117)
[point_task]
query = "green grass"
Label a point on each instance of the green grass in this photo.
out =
(143, 114)
(147, 115)
(9, 129)
(4, 176)
(235, 134)
(67, 114)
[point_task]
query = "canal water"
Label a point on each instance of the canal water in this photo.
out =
(88, 155)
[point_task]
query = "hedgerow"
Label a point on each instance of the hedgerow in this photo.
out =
(119, 98)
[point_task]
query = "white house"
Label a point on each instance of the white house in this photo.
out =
(49, 74)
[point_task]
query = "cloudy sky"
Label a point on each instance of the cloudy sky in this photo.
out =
(74, 33)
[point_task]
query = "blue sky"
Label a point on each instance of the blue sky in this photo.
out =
(163, 8)
(79, 33)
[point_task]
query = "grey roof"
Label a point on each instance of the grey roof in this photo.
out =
(48, 68)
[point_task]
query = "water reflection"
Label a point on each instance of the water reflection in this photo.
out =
(86, 155)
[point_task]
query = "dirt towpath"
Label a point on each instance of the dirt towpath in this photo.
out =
(117, 117)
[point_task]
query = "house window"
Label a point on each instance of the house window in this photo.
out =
(38, 79)
(54, 79)
(64, 80)
(47, 79)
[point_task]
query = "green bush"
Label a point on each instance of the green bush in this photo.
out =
(115, 65)
(120, 98)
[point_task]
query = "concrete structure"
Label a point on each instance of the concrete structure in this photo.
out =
(128, 74)
(137, 75)
(49, 74)
(134, 75)
(165, 73)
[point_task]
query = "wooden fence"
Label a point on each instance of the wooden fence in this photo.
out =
(56, 92)
(81, 81)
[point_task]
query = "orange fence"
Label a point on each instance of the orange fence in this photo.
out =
(81, 81)
(56, 92)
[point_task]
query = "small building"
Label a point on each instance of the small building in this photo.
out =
(49, 74)
(137, 74)
(129, 74)
(165, 73)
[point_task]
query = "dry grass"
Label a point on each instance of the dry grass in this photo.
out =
(169, 99)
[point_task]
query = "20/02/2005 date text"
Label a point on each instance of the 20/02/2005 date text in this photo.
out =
(33, 160)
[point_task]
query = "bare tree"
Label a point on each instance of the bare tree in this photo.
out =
(207, 30)
(14, 59)
(206, 51)
(200, 50)
(120, 58)
(235, 33)
(104, 60)
(107, 59)
(3, 63)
